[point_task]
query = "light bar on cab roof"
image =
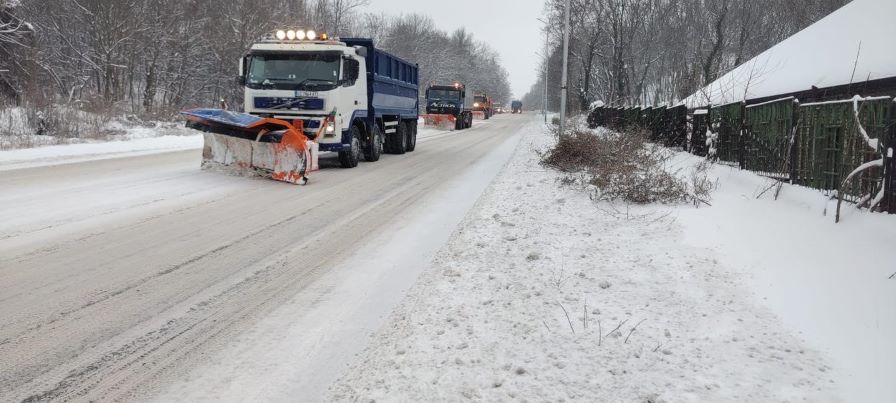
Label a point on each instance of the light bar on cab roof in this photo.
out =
(300, 35)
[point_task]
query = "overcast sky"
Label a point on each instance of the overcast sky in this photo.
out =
(511, 27)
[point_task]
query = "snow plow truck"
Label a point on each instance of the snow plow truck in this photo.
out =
(482, 107)
(449, 107)
(305, 93)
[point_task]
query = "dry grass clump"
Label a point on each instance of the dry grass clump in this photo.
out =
(625, 167)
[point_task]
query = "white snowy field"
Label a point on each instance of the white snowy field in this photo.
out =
(542, 294)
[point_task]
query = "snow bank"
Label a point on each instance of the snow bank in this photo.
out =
(827, 281)
(542, 295)
(857, 37)
(143, 144)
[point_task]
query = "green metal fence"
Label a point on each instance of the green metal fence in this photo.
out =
(768, 129)
(813, 144)
(726, 123)
(699, 127)
(830, 144)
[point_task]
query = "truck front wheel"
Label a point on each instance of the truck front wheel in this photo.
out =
(374, 146)
(349, 158)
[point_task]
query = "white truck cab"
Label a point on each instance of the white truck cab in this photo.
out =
(306, 80)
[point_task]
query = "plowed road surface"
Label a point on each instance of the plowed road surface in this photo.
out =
(121, 279)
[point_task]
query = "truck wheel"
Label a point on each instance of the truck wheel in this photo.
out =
(412, 136)
(374, 145)
(400, 136)
(469, 121)
(349, 159)
(460, 122)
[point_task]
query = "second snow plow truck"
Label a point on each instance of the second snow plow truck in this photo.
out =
(482, 106)
(449, 107)
(304, 93)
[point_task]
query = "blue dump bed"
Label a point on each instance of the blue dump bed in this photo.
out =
(393, 83)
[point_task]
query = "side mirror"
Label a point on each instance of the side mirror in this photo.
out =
(241, 81)
(352, 70)
(361, 51)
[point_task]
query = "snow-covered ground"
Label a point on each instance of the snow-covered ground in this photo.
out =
(136, 141)
(829, 282)
(72, 153)
(541, 294)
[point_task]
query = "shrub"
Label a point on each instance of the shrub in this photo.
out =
(624, 166)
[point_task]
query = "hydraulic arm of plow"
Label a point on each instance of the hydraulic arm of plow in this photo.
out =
(248, 144)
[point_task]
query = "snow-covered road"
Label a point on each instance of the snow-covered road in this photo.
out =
(124, 278)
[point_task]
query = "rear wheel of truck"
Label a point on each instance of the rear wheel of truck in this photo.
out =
(468, 122)
(460, 122)
(374, 146)
(400, 137)
(412, 136)
(349, 158)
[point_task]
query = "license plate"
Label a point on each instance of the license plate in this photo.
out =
(306, 94)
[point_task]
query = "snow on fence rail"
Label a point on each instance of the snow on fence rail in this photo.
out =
(812, 144)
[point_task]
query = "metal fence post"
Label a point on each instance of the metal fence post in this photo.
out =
(794, 144)
(889, 203)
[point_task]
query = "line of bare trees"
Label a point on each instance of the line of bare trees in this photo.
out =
(153, 57)
(443, 57)
(651, 52)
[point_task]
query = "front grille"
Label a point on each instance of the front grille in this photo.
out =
(290, 102)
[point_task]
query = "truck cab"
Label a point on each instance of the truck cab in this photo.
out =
(451, 100)
(366, 98)
(483, 103)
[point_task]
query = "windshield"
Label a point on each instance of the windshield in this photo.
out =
(452, 95)
(294, 71)
(480, 98)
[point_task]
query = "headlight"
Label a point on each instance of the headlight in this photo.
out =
(300, 35)
(312, 35)
(281, 34)
(475, 104)
(331, 128)
(291, 34)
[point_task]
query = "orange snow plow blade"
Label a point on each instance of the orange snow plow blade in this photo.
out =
(443, 122)
(478, 115)
(247, 144)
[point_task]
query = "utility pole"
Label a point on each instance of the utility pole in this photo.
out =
(547, 61)
(563, 80)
